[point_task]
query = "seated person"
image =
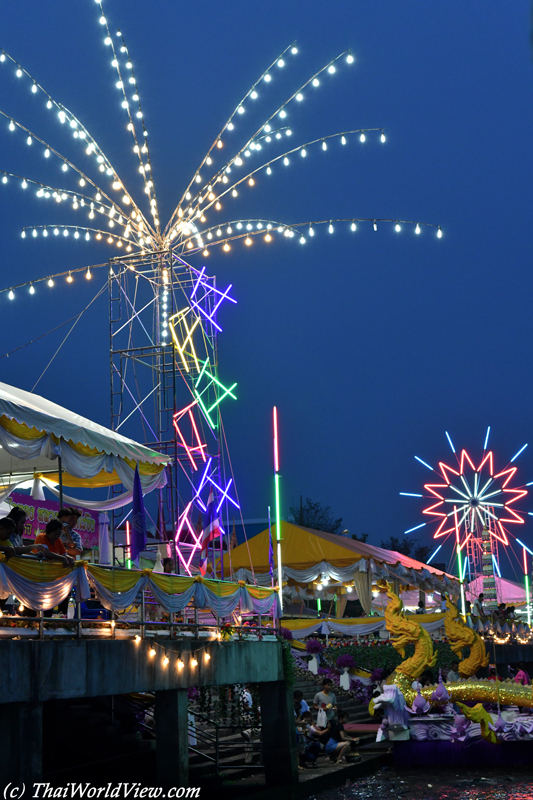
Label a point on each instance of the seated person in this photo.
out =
(453, 673)
(71, 539)
(54, 547)
(311, 737)
(7, 529)
(339, 744)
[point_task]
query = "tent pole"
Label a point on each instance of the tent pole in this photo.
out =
(60, 467)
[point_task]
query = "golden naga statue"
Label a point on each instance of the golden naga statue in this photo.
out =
(404, 630)
(460, 636)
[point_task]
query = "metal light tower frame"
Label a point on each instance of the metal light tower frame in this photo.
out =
(164, 383)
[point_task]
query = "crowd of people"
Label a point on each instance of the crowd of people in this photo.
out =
(326, 734)
(58, 542)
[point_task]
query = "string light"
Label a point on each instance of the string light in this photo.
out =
(144, 232)
(194, 662)
(69, 278)
(152, 652)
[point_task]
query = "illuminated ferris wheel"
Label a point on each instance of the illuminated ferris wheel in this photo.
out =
(472, 505)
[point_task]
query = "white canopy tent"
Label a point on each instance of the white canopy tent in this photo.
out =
(43, 441)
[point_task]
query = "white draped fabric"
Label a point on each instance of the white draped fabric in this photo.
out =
(355, 629)
(423, 579)
(119, 501)
(105, 555)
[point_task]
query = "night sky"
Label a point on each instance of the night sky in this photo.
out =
(370, 344)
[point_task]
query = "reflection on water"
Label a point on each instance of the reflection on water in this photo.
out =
(436, 785)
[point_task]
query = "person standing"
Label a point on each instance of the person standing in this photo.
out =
(326, 700)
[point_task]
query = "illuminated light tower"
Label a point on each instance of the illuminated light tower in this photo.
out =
(164, 305)
(473, 503)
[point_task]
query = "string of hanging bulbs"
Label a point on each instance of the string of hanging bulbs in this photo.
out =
(177, 660)
(187, 231)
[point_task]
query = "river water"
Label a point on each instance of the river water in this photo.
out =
(436, 785)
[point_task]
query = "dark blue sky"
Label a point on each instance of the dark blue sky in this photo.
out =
(370, 344)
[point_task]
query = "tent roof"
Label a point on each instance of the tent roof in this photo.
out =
(43, 416)
(304, 547)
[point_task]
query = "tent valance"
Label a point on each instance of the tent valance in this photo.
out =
(42, 585)
(35, 430)
(361, 626)
(309, 556)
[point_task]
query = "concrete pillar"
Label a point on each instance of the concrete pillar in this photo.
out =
(278, 734)
(172, 738)
(21, 743)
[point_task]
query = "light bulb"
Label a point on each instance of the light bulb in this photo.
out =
(240, 110)
(205, 252)
(319, 587)
(56, 232)
(251, 182)
(152, 653)
(207, 657)
(21, 607)
(349, 58)
(28, 140)
(88, 274)
(19, 73)
(269, 171)
(383, 137)
(34, 88)
(302, 239)
(439, 233)
(324, 146)
(362, 138)
(316, 82)
(11, 126)
(165, 661)
(299, 97)
(194, 662)
(311, 231)
(11, 294)
(268, 238)
(180, 664)
(417, 229)
(349, 588)
(294, 50)
(267, 78)
(50, 282)
(331, 69)
(226, 247)
(330, 229)
(286, 161)
(354, 226)
(375, 225)
(23, 234)
(47, 153)
(343, 140)
(281, 63)
(69, 278)
(283, 113)
(87, 237)
(397, 227)
(248, 241)
(137, 639)
(34, 233)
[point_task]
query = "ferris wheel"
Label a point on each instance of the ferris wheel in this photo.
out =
(477, 505)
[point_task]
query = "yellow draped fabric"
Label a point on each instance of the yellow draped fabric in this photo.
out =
(298, 624)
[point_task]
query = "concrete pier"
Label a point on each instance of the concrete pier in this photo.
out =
(38, 671)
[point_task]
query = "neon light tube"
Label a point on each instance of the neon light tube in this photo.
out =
(415, 528)
(528, 604)
(410, 494)
(520, 451)
(128, 545)
(276, 450)
(496, 566)
(486, 438)
(524, 546)
(450, 441)
(424, 463)
(524, 556)
(432, 556)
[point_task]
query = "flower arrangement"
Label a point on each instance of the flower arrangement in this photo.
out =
(314, 647)
(345, 661)
(286, 634)
(227, 631)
